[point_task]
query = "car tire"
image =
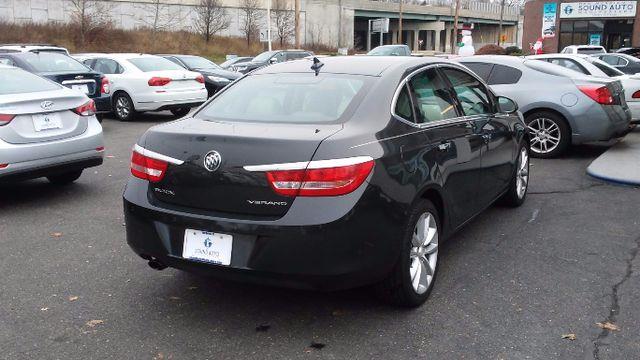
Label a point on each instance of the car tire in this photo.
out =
(180, 112)
(405, 285)
(65, 178)
(100, 117)
(549, 134)
(123, 107)
(517, 192)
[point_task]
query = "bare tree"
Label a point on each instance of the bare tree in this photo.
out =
(211, 18)
(283, 18)
(88, 16)
(161, 18)
(251, 15)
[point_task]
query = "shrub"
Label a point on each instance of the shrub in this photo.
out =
(513, 51)
(490, 49)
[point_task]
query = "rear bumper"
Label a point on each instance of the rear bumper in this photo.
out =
(170, 100)
(103, 104)
(601, 123)
(634, 107)
(351, 251)
(28, 161)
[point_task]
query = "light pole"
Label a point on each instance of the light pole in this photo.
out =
(297, 23)
(500, 26)
(399, 24)
(269, 23)
(454, 38)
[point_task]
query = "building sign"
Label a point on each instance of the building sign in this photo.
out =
(380, 25)
(594, 39)
(598, 9)
(549, 20)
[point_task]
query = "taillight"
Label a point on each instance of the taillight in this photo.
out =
(105, 88)
(599, 94)
(319, 178)
(636, 95)
(147, 168)
(6, 118)
(200, 79)
(159, 81)
(87, 109)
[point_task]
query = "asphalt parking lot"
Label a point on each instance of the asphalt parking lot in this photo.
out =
(511, 283)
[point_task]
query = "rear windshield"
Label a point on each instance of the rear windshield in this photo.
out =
(15, 81)
(591, 51)
(197, 62)
(154, 63)
(606, 68)
(288, 98)
(47, 61)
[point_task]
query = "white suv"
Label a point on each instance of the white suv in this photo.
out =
(32, 48)
(584, 49)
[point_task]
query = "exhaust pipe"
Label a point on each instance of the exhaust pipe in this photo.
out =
(157, 265)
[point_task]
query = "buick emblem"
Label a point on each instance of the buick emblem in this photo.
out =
(46, 105)
(212, 161)
(79, 77)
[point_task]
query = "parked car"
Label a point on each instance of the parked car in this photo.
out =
(33, 48)
(46, 129)
(141, 82)
(561, 107)
(231, 63)
(623, 62)
(272, 57)
(584, 49)
(356, 173)
(390, 50)
(633, 51)
(589, 65)
(215, 78)
(67, 71)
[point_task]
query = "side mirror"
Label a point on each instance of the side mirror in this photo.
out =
(273, 60)
(506, 105)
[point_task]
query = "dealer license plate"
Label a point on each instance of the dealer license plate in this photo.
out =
(207, 246)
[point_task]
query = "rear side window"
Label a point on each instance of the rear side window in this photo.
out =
(471, 93)
(154, 63)
(502, 74)
(287, 98)
(403, 105)
(569, 64)
(607, 69)
(483, 70)
(107, 66)
(433, 101)
(15, 81)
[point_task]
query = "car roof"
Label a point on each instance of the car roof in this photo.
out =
(3, 66)
(353, 65)
(502, 59)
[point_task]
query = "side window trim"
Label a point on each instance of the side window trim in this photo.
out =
(404, 83)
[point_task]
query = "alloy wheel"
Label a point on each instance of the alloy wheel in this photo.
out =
(545, 135)
(122, 107)
(423, 254)
(522, 176)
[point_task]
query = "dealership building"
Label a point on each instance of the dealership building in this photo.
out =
(612, 24)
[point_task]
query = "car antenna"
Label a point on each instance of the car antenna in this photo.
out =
(317, 65)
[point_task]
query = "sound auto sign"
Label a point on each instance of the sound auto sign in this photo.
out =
(599, 9)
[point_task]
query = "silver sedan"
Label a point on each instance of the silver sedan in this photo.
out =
(46, 130)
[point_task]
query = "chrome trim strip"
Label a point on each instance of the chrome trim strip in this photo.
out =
(83, 81)
(154, 155)
(315, 164)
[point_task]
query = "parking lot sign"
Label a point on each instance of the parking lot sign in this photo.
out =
(380, 25)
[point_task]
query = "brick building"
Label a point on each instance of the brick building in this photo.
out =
(612, 24)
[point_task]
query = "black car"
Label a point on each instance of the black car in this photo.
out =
(635, 52)
(272, 57)
(67, 71)
(233, 62)
(215, 78)
(623, 62)
(327, 175)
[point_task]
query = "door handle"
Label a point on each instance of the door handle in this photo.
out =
(444, 146)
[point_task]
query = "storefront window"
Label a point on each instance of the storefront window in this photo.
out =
(580, 26)
(596, 26)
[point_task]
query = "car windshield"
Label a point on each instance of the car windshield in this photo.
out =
(386, 51)
(53, 62)
(15, 81)
(154, 63)
(197, 62)
(287, 98)
(591, 51)
(605, 68)
(264, 56)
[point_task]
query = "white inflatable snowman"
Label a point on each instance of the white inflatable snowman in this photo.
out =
(467, 44)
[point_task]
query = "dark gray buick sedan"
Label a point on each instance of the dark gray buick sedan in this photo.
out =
(327, 174)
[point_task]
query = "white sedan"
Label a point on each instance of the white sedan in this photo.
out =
(593, 66)
(141, 82)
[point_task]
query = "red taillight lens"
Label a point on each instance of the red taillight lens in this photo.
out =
(599, 94)
(147, 168)
(328, 181)
(200, 79)
(159, 81)
(636, 95)
(87, 109)
(6, 118)
(105, 88)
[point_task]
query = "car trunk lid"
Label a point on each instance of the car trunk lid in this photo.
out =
(230, 189)
(180, 80)
(87, 83)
